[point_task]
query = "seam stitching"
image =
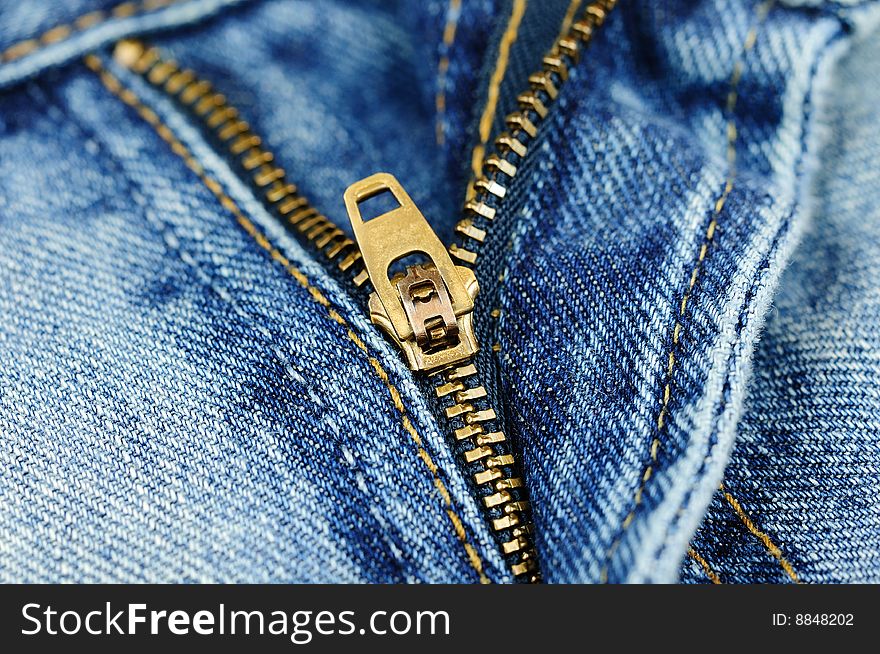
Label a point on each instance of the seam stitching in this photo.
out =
(781, 233)
(760, 535)
(453, 13)
(64, 31)
(568, 19)
(762, 11)
(713, 576)
(350, 459)
(488, 115)
(128, 97)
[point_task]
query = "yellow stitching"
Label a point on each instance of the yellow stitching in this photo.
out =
(88, 20)
(751, 38)
(128, 97)
(569, 18)
(453, 13)
(507, 40)
(56, 34)
(713, 576)
(761, 536)
(65, 31)
(125, 10)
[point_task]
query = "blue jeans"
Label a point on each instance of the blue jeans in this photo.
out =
(678, 310)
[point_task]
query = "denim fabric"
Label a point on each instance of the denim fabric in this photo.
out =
(328, 84)
(36, 34)
(175, 405)
(806, 461)
(625, 346)
(453, 38)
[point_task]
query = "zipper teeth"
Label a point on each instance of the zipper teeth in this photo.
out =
(505, 504)
(510, 147)
(469, 415)
(503, 492)
(246, 148)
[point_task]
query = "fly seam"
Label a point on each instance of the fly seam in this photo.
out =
(453, 13)
(762, 11)
(93, 18)
(713, 576)
(568, 19)
(564, 29)
(488, 115)
(761, 536)
(164, 132)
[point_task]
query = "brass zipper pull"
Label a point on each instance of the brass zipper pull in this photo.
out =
(428, 308)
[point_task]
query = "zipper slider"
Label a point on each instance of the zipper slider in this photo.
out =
(427, 309)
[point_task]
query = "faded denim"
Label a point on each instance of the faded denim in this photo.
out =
(685, 270)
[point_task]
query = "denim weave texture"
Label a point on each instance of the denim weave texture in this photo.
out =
(680, 288)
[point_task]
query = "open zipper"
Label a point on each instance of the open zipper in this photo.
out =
(420, 293)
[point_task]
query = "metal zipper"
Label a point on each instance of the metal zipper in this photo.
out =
(426, 307)
(510, 147)
(233, 135)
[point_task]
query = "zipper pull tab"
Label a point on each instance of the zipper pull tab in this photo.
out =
(427, 309)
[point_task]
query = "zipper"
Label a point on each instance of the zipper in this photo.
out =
(500, 167)
(223, 124)
(427, 309)
(426, 306)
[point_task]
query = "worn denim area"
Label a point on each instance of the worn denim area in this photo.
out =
(807, 453)
(184, 401)
(176, 405)
(35, 34)
(641, 252)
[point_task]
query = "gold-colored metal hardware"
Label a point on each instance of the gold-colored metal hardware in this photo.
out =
(510, 482)
(583, 29)
(543, 82)
(485, 476)
(468, 431)
(490, 186)
(457, 410)
(570, 47)
(499, 461)
(460, 372)
(477, 453)
(515, 545)
(462, 254)
(451, 387)
(428, 311)
(480, 416)
(516, 507)
(219, 117)
(490, 439)
(557, 65)
(470, 394)
(507, 142)
(481, 209)
(496, 499)
(521, 121)
(466, 226)
(506, 522)
(525, 567)
(530, 100)
(494, 162)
